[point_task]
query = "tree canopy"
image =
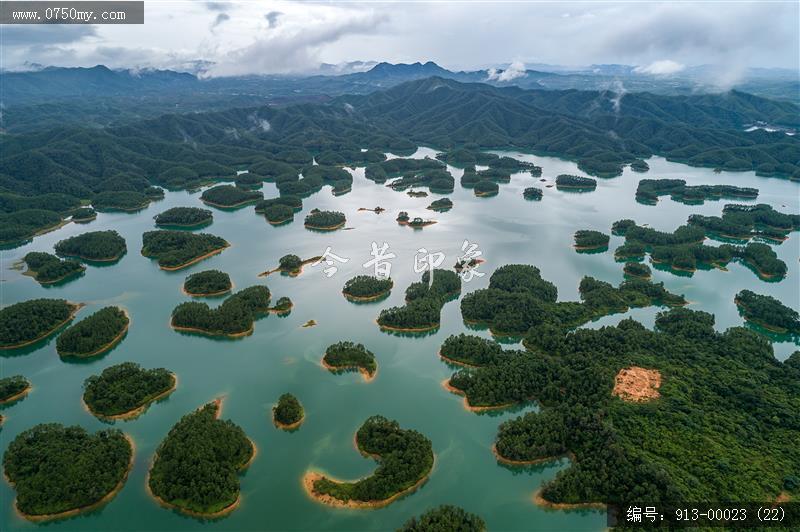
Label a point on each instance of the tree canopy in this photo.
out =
(93, 334)
(31, 320)
(125, 387)
(96, 245)
(177, 249)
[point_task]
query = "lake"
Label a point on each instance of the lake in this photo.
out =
(282, 356)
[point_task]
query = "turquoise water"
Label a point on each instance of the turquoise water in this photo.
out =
(281, 356)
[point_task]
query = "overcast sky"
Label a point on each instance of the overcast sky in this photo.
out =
(261, 36)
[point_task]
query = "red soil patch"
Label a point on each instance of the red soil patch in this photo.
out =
(637, 384)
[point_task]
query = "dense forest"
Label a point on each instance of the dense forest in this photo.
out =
(94, 334)
(574, 181)
(11, 386)
(83, 214)
(124, 388)
(197, 464)
(404, 456)
(348, 355)
(105, 246)
(288, 411)
(445, 518)
(532, 193)
(208, 282)
(278, 213)
(47, 268)
(367, 287)
(486, 188)
(230, 196)
(294, 202)
(768, 312)
(290, 263)
(184, 217)
(470, 350)
(55, 469)
(588, 239)
(125, 200)
(325, 220)
(31, 320)
(424, 302)
(637, 269)
(441, 205)
(177, 249)
(234, 317)
(649, 190)
(745, 221)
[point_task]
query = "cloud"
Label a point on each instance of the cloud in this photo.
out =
(272, 18)
(664, 67)
(44, 34)
(217, 6)
(514, 71)
(222, 17)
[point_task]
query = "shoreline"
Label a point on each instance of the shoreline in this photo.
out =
(588, 248)
(456, 362)
(287, 426)
(541, 501)
(211, 294)
(44, 335)
(291, 273)
(368, 377)
(248, 332)
(279, 222)
(102, 349)
(139, 410)
(362, 299)
(186, 226)
(34, 275)
(409, 329)
(756, 321)
(194, 260)
(234, 206)
(17, 396)
(536, 461)
(325, 228)
(104, 259)
(475, 409)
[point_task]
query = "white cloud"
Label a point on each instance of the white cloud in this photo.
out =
(663, 67)
(514, 71)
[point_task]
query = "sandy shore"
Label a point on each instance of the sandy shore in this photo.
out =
(211, 294)
(541, 501)
(362, 299)
(287, 426)
(76, 308)
(456, 362)
(17, 396)
(106, 347)
(242, 334)
(588, 248)
(325, 228)
(364, 373)
(194, 260)
(477, 409)
(34, 276)
(139, 410)
(407, 329)
(291, 273)
(234, 206)
(536, 461)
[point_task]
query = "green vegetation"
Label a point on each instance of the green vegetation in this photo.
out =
(234, 317)
(587, 239)
(639, 165)
(94, 334)
(196, 465)
(248, 180)
(207, 283)
(637, 269)
(577, 182)
(363, 287)
(325, 220)
(532, 193)
(84, 214)
(101, 246)
(288, 411)
(125, 389)
(441, 205)
(282, 306)
(47, 268)
(295, 202)
(444, 518)
(121, 200)
(471, 350)
(403, 217)
(649, 191)
(745, 221)
(29, 321)
(177, 249)
(470, 178)
(290, 264)
(519, 300)
(348, 355)
(424, 302)
(768, 312)
(229, 196)
(184, 217)
(56, 469)
(11, 386)
(18, 227)
(411, 167)
(486, 188)
(405, 458)
(278, 214)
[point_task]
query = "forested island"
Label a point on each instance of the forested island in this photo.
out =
(177, 249)
(532, 193)
(98, 246)
(283, 306)
(742, 222)
(403, 218)
(229, 196)
(486, 188)
(233, 318)
(349, 356)
(83, 215)
(279, 210)
(184, 217)
(124, 391)
(288, 414)
(94, 334)
(125, 200)
(196, 466)
(424, 302)
(13, 388)
(640, 165)
(291, 265)
(249, 180)
(566, 181)
(445, 518)
(367, 288)
(207, 283)
(419, 223)
(27, 322)
(324, 220)
(405, 459)
(91, 468)
(441, 205)
(768, 312)
(649, 190)
(637, 269)
(470, 351)
(46, 268)
(586, 239)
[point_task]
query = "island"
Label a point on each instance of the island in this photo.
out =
(586, 240)
(95, 246)
(649, 190)
(419, 223)
(405, 459)
(486, 188)
(424, 302)
(93, 468)
(325, 220)
(498, 175)
(13, 388)
(288, 414)
(121, 200)
(367, 288)
(278, 214)
(532, 193)
(640, 165)
(207, 283)
(283, 306)
(348, 356)
(126, 390)
(768, 312)
(234, 318)
(27, 322)
(742, 222)
(291, 265)
(291, 201)
(441, 205)
(83, 215)
(403, 218)
(46, 268)
(566, 181)
(444, 518)
(174, 250)
(470, 177)
(470, 351)
(230, 197)
(377, 209)
(94, 334)
(196, 466)
(637, 269)
(188, 217)
(417, 193)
